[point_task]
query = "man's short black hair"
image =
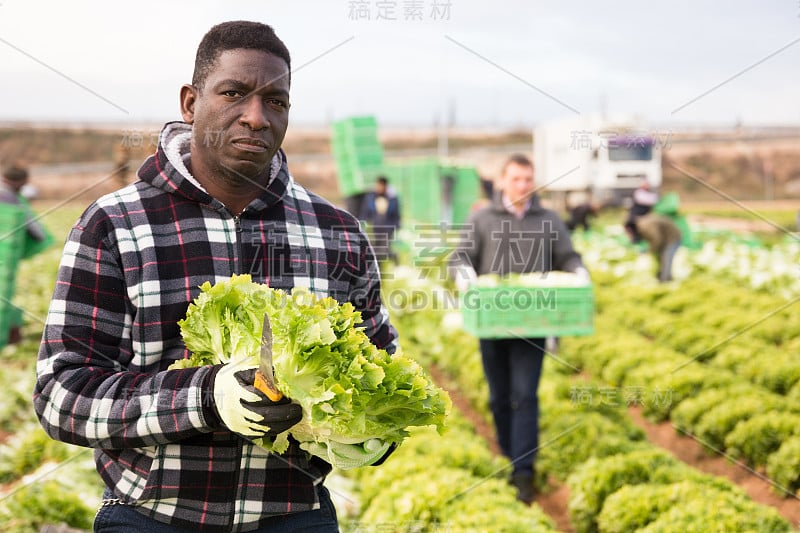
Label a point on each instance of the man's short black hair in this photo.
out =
(383, 180)
(15, 173)
(233, 35)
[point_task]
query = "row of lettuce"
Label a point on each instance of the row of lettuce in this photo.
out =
(769, 269)
(617, 480)
(718, 361)
(715, 387)
(42, 481)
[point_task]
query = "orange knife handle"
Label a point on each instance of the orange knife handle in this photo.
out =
(270, 391)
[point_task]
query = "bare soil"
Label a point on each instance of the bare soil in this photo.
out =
(554, 498)
(688, 450)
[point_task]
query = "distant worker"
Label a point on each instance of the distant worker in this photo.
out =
(15, 180)
(663, 238)
(12, 186)
(644, 198)
(381, 210)
(579, 215)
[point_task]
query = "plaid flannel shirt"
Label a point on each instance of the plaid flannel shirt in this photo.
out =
(131, 266)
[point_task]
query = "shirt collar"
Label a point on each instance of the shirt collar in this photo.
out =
(510, 207)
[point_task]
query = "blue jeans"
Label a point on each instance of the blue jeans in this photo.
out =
(125, 519)
(512, 368)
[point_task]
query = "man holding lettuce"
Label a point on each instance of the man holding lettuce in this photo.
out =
(174, 447)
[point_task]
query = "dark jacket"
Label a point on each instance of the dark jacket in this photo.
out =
(494, 240)
(387, 216)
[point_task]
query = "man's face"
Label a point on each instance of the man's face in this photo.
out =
(517, 183)
(240, 115)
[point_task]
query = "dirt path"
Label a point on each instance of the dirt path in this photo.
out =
(665, 436)
(482, 427)
(553, 500)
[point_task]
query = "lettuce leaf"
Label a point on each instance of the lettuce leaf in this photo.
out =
(352, 393)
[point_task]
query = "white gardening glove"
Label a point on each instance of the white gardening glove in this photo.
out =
(347, 456)
(465, 276)
(583, 275)
(246, 410)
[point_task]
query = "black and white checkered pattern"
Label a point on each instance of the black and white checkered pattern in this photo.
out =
(131, 266)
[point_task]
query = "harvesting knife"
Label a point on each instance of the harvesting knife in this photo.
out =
(265, 377)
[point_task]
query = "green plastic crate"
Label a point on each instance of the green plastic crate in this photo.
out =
(358, 180)
(358, 154)
(467, 192)
(523, 312)
(367, 121)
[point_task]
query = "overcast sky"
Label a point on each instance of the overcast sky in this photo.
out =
(481, 63)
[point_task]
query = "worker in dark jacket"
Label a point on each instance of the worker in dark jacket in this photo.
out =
(381, 210)
(579, 215)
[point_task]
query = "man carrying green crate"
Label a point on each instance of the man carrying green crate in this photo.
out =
(514, 234)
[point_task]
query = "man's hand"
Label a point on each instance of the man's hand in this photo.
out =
(246, 410)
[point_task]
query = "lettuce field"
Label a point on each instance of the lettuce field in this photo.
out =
(710, 360)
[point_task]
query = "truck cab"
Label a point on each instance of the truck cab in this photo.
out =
(593, 158)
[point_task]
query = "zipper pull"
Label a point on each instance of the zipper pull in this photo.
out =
(237, 222)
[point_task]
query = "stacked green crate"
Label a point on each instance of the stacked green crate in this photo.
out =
(358, 154)
(423, 192)
(12, 240)
(431, 193)
(466, 193)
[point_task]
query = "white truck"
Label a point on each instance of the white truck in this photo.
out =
(589, 157)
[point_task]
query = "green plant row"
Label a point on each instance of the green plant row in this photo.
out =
(447, 483)
(724, 412)
(745, 392)
(42, 482)
(712, 322)
(650, 490)
(586, 432)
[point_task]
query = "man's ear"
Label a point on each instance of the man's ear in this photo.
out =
(189, 95)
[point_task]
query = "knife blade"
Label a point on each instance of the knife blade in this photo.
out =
(265, 376)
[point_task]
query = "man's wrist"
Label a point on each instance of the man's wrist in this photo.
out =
(208, 406)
